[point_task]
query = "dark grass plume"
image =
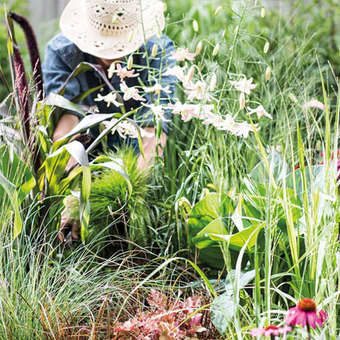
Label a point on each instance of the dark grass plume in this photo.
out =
(33, 51)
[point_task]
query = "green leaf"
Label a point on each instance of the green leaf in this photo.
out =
(54, 99)
(239, 240)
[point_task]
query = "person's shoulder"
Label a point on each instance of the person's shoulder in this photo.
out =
(66, 50)
(61, 43)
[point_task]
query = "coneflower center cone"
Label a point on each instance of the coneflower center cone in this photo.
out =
(307, 305)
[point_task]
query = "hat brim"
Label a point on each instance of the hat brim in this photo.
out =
(76, 26)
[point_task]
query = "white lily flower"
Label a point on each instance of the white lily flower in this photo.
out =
(157, 88)
(244, 85)
(260, 111)
(176, 71)
(187, 111)
(131, 92)
(314, 103)
(126, 129)
(110, 98)
(198, 91)
(158, 111)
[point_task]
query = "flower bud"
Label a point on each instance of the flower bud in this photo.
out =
(213, 82)
(114, 19)
(236, 30)
(130, 62)
(268, 73)
(263, 12)
(130, 36)
(199, 47)
(154, 50)
(195, 25)
(218, 10)
(242, 101)
(216, 49)
(266, 47)
(165, 7)
(191, 73)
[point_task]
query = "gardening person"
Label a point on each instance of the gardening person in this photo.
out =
(113, 34)
(124, 38)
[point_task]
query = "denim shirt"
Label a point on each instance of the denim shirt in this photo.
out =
(62, 57)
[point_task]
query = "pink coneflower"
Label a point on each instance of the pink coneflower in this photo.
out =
(305, 314)
(270, 331)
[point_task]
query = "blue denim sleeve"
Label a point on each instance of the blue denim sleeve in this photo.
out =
(55, 73)
(158, 66)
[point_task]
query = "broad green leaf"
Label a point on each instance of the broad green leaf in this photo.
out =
(90, 121)
(211, 207)
(237, 241)
(54, 99)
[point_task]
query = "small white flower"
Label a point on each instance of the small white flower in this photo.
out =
(244, 85)
(243, 129)
(176, 71)
(157, 88)
(187, 111)
(126, 129)
(182, 54)
(314, 104)
(197, 91)
(260, 111)
(158, 111)
(131, 92)
(111, 70)
(110, 98)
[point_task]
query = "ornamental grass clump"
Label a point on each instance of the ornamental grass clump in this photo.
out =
(114, 210)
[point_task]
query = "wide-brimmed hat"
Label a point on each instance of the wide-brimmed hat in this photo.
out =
(111, 29)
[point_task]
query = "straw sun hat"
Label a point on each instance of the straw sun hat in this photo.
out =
(111, 29)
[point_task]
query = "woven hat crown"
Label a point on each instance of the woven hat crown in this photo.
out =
(114, 17)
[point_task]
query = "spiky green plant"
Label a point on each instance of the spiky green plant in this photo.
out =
(115, 210)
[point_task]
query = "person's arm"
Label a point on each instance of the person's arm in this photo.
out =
(151, 150)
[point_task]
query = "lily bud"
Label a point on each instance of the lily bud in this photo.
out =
(266, 47)
(191, 73)
(242, 101)
(195, 25)
(114, 19)
(165, 7)
(130, 62)
(236, 30)
(130, 36)
(216, 49)
(218, 10)
(154, 50)
(268, 73)
(213, 82)
(263, 12)
(199, 47)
